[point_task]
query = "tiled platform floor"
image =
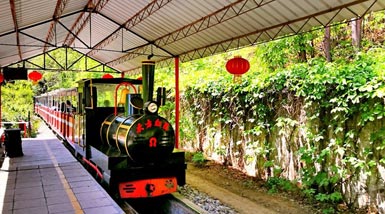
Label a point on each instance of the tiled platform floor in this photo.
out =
(48, 179)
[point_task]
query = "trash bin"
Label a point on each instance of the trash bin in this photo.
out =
(12, 143)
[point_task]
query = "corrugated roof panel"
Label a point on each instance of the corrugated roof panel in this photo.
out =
(98, 28)
(193, 28)
(9, 58)
(29, 42)
(29, 12)
(9, 51)
(121, 11)
(332, 3)
(125, 66)
(131, 40)
(7, 40)
(107, 56)
(232, 28)
(235, 27)
(361, 8)
(379, 5)
(264, 16)
(272, 15)
(179, 47)
(81, 50)
(325, 18)
(62, 32)
(6, 17)
(164, 21)
(344, 13)
(116, 58)
(72, 6)
(291, 9)
(309, 7)
(39, 31)
(297, 8)
(286, 10)
(300, 25)
(29, 52)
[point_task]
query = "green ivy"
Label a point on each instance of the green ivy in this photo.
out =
(333, 94)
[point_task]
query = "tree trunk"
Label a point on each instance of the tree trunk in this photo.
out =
(356, 33)
(326, 44)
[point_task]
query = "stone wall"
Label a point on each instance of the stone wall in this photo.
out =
(351, 151)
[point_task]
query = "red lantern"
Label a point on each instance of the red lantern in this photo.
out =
(107, 76)
(35, 76)
(1, 78)
(237, 66)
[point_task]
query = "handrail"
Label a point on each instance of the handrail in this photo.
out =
(116, 95)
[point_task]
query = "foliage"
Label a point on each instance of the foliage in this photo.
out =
(17, 96)
(16, 101)
(276, 184)
(64, 79)
(198, 159)
(333, 96)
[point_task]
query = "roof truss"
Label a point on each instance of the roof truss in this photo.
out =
(51, 61)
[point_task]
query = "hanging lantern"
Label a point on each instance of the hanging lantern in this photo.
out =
(107, 76)
(237, 66)
(35, 76)
(1, 78)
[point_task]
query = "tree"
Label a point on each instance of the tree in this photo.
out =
(356, 33)
(326, 44)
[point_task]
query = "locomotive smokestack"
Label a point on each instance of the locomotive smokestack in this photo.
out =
(148, 70)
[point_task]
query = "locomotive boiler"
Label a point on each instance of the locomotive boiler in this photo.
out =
(118, 134)
(143, 137)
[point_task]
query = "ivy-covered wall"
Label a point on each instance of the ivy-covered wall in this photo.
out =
(320, 125)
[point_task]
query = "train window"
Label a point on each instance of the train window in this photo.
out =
(90, 97)
(106, 95)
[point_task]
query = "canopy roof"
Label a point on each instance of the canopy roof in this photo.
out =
(122, 33)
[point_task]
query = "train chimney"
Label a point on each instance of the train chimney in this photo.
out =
(148, 70)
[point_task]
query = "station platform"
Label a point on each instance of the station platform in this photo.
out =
(48, 179)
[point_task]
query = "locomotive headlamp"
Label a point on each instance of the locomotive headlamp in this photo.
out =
(151, 107)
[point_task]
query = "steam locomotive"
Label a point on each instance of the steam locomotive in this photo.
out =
(112, 125)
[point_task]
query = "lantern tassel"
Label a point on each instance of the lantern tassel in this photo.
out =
(237, 78)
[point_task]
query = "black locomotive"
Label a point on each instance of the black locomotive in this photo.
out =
(112, 125)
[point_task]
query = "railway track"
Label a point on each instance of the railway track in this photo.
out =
(170, 204)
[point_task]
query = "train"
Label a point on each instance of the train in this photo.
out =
(113, 127)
